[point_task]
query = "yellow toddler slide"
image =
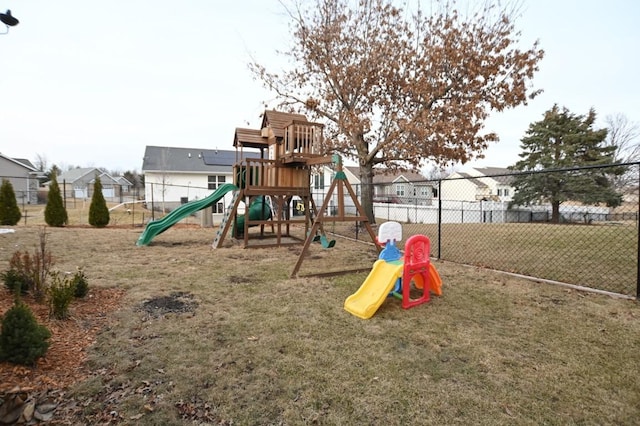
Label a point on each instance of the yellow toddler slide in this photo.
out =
(375, 289)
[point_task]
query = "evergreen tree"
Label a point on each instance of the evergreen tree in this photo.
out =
(55, 214)
(565, 140)
(9, 210)
(22, 339)
(98, 211)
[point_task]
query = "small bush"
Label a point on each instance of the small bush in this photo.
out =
(98, 211)
(80, 284)
(9, 210)
(22, 339)
(54, 213)
(15, 281)
(32, 270)
(22, 269)
(61, 294)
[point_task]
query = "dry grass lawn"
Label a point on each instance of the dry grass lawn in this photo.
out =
(248, 345)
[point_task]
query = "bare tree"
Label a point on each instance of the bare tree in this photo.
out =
(163, 179)
(625, 136)
(397, 89)
(41, 162)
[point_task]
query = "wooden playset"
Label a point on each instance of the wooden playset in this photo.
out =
(289, 147)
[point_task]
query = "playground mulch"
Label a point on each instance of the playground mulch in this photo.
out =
(64, 361)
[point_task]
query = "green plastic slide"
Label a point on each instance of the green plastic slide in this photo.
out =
(158, 226)
(258, 210)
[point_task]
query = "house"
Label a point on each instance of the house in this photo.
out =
(403, 187)
(174, 176)
(476, 184)
(400, 187)
(23, 177)
(125, 185)
(78, 183)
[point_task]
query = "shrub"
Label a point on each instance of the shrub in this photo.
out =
(54, 213)
(80, 284)
(32, 270)
(15, 281)
(98, 211)
(20, 272)
(9, 210)
(22, 339)
(61, 294)
(42, 262)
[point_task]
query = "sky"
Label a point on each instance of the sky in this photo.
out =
(90, 84)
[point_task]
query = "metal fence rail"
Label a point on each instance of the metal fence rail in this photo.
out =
(592, 246)
(469, 222)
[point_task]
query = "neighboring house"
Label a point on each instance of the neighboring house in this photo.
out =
(23, 177)
(78, 183)
(476, 184)
(125, 185)
(400, 187)
(177, 175)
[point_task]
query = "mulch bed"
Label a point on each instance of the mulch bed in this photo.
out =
(63, 364)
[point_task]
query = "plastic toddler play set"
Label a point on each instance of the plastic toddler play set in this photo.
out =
(393, 274)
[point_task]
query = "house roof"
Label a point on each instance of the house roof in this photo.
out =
(382, 177)
(73, 175)
(499, 174)
(477, 182)
(189, 160)
(122, 180)
(21, 162)
(26, 162)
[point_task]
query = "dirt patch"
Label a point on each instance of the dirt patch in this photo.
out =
(178, 302)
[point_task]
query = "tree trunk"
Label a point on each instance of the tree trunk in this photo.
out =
(555, 211)
(366, 179)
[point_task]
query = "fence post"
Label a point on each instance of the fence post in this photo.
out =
(153, 215)
(439, 219)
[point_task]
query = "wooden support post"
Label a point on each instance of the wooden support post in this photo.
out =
(340, 182)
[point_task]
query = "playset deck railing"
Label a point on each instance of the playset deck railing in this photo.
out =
(256, 175)
(302, 139)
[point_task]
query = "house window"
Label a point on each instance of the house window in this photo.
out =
(434, 191)
(216, 181)
(318, 181)
(499, 192)
(218, 208)
(506, 192)
(400, 190)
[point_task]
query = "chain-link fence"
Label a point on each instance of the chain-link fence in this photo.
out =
(472, 220)
(28, 190)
